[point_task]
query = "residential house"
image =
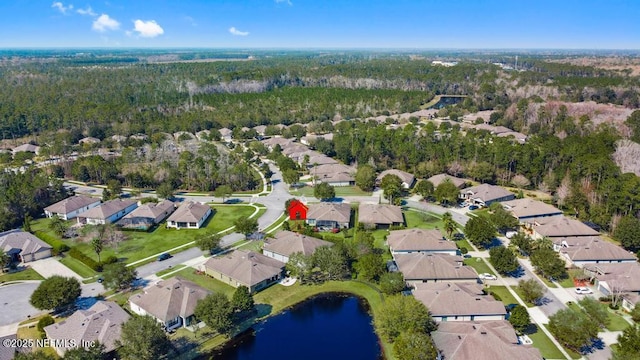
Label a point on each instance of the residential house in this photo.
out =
(517, 136)
(226, 134)
(248, 268)
(294, 149)
(380, 216)
(26, 148)
(560, 226)
(529, 210)
(108, 212)
(420, 240)
(487, 340)
(287, 243)
(23, 246)
(440, 178)
(320, 159)
(190, 215)
(70, 207)
(147, 215)
(334, 174)
(119, 138)
(309, 139)
(459, 302)
(297, 210)
(408, 180)
(581, 250)
(427, 267)
(272, 142)
(619, 279)
(89, 140)
(171, 302)
(329, 215)
(486, 194)
(260, 129)
(101, 323)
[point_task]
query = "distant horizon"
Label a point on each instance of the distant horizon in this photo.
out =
(313, 48)
(302, 24)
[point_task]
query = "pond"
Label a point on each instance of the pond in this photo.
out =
(331, 326)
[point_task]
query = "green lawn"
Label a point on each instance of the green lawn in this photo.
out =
(519, 292)
(423, 220)
(171, 269)
(252, 246)
(340, 191)
(140, 245)
(205, 281)
(464, 244)
(27, 274)
(566, 283)
(479, 265)
(503, 293)
(78, 267)
(616, 321)
(547, 348)
(273, 226)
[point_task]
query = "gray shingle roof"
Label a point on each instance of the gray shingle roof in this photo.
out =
(591, 248)
(622, 276)
(487, 192)
(428, 266)
(189, 212)
(527, 207)
(418, 240)
(440, 178)
(170, 298)
(327, 211)
(288, 242)
(247, 267)
(559, 226)
(18, 239)
(404, 176)
(457, 299)
(379, 214)
(71, 204)
(154, 211)
(107, 209)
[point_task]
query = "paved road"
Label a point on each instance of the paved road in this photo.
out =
(14, 302)
(177, 258)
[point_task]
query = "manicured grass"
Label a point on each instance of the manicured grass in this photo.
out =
(616, 321)
(273, 226)
(547, 348)
(27, 274)
(140, 245)
(521, 295)
(32, 333)
(503, 293)
(253, 246)
(547, 282)
(340, 191)
(78, 267)
(479, 265)
(205, 281)
(171, 269)
(464, 244)
(422, 220)
(566, 283)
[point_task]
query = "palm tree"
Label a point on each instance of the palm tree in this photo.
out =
(58, 225)
(449, 224)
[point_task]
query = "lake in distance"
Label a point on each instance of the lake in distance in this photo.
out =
(330, 326)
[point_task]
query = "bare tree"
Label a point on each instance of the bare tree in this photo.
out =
(563, 191)
(520, 181)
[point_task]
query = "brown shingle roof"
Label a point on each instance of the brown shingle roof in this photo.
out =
(487, 192)
(288, 242)
(591, 248)
(440, 178)
(154, 211)
(189, 212)
(622, 276)
(559, 226)
(107, 209)
(247, 267)
(327, 211)
(170, 298)
(71, 204)
(18, 239)
(527, 208)
(101, 323)
(418, 240)
(427, 266)
(487, 340)
(457, 299)
(379, 214)
(404, 176)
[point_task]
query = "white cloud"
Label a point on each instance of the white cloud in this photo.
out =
(288, 2)
(88, 11)
(104, 23)
(60, 6)
(237, 32)
(148, 29)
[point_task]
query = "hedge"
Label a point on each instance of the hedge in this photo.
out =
(57, 244)
(77, 254)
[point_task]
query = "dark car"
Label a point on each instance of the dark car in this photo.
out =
(458, 236)
(473, 207)
(164, 256)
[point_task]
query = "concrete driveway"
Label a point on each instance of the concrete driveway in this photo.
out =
(51, 266)
(14, 302)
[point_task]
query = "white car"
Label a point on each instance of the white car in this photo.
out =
(487, 276)
(583, 290)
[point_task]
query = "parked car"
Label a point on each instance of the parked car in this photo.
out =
(583, 290)
(164, 257)
(473, 207)
(458, 236)
(487, 276)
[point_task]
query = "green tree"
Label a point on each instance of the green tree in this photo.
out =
(424, 188)
(331, 261)
(142, 338)
(547, 262)
(446, 192)
(572, 328)
(370, 266)
(115, 188)
(300, 266)
(595, 310)
(34, 355)
(324, 191)
(217, 312)
(58, 225)
(290, 176)
(502, 219)
(245, 225)
(208, 242)
(628, 233)
(628, 344)
(392, 283)
(55, 293)
(448, 223)
(391, 186)
(97, 245)
(531, 290)
(523, 242)
(26, 224)
(223, 191)
(4, 260)
(503, 259)
(480, 231)
(414, 345)
(399, 313)
(95, 352)
(118, 276)
(519, 318)
(242, 300)
(165, 190)
(635, 313)
(366, 177)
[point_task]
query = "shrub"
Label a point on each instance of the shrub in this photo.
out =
(463, 250)
(110, 260)
(44, 322)
(79, 255)
(57, 245)
(495, 296)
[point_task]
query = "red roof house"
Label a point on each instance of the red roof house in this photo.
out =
(297, 210)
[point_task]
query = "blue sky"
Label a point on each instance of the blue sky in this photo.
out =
(565, 24)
